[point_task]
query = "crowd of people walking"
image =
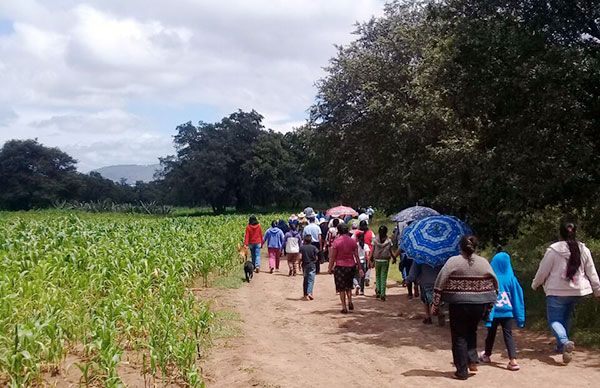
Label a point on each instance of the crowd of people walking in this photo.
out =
(469, 287)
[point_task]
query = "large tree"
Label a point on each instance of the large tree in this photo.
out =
(32, 175)
(235, 162)
(486, 109)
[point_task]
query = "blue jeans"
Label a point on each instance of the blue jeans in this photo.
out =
(559, 312)
(255, 253)
(309, 271)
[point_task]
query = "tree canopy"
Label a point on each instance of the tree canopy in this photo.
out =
(486, 109)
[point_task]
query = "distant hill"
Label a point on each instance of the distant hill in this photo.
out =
(131, 172)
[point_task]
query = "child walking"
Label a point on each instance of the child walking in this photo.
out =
(382, 253)
(425, 275)
(310, 255)
(508, 308)
(274, 240)
(363, 256)
(292, 243)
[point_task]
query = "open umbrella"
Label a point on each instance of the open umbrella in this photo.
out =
(433, 240)
(414, 213)
(341, 212)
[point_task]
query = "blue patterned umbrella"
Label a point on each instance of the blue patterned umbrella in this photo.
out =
(433, 240)
(413, 214)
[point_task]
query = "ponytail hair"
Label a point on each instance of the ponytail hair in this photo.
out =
(468, 245)
(568, 232)
(382, 233)
(361, 239)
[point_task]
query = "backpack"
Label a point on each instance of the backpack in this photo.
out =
(292, 245)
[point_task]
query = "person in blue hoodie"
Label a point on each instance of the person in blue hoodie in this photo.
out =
(274, 239)
(509, 307)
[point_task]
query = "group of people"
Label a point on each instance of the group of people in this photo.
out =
(473, 288)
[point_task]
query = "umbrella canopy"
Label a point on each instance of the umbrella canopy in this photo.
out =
(341, 211)
(433, 240)
(413, 214)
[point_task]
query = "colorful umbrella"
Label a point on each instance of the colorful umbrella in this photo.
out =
(341, 212)
(433, 240)
(413, 214)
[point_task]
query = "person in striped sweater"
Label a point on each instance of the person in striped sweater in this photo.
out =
(468, 284)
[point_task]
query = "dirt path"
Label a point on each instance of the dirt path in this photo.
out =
(287, 342)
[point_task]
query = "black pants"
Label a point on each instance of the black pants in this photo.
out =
(318, 263)
(506, 324)
(407, 266)
(463, 328)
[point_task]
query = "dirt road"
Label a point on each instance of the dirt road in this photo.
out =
(287, 342)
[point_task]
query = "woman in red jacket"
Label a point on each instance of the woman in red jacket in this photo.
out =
(252, 241)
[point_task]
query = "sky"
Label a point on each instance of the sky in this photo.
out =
(108, 81)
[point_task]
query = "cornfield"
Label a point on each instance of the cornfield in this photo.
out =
(101, 286)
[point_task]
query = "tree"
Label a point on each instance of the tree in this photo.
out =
(32, 175)
(235, 162)
(484, 109)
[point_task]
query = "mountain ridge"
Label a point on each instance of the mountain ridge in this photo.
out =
(131, 172)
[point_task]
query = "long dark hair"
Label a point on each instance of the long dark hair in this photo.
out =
(361, 240)
(568, 232)
(468, 245)
(382, 233)
(252, 220)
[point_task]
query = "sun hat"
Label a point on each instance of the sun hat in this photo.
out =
(309, 211)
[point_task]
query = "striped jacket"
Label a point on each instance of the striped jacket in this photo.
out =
(468, 281)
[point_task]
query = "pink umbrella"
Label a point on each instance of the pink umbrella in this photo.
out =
(341, 211)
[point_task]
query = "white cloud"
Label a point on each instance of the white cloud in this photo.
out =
(69, 73)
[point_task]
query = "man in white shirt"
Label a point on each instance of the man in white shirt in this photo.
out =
(314, 231)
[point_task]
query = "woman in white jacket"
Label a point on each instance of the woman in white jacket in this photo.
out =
(567, 273)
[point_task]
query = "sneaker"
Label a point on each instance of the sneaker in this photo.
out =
(484, 358)
(460, 377)
(272, 269)
(568, 351)
(290, 273)
(513, 367)
(311, 297)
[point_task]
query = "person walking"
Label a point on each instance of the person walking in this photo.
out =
(323, 249)
(343, 262)
(314, 231)
(363, 227)
(382, 253)
(309, 269)
(567, 273)
(425, 275)
(253, 241)
(468, 284)
(510, 306)
(292, 243)
(274, 239)
(364, 256)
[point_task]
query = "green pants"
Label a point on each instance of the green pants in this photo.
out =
(381, 272)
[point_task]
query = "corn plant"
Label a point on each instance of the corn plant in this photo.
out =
(108, 283)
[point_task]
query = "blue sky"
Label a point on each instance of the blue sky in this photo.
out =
(109, 80)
